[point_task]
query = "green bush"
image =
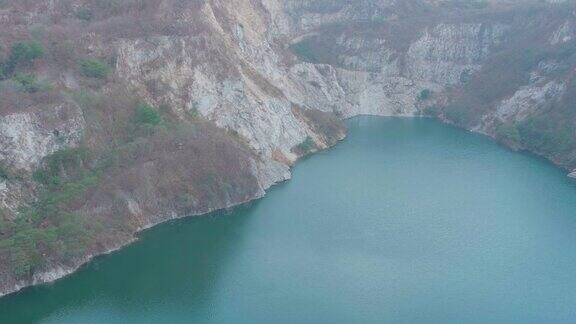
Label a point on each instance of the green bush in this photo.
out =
(459, 115)
(47, 227)
(45, 178)
(73, 161)
(67, 158)
(21, 53)
(508, 133)
(23, 246)
(94, 68)
(546, 135)
(4, 175)
(65, 176)
(25, 52)
(305, 52)
(26, 243)
(147, 115)
(424, 95)
(84, 14)
(431, 111)
(28, 83)
(465, 76)
(306, 147)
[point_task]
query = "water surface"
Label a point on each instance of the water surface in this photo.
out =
(406, 221)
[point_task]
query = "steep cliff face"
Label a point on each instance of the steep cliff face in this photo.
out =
(505, 69)
(118, 115)
(446, 53)
(156, 110)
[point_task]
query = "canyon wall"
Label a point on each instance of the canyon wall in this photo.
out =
(141, 111)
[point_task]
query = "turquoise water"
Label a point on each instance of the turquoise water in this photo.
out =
(406, 221)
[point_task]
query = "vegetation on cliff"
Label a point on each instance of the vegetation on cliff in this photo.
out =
(128, 146)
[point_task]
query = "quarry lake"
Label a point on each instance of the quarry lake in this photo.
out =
(407, 220)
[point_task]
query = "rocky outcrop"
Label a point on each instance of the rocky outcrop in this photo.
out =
(527, 100)
(499, 73)
(27, 137)
(244, 84)
(564, 33)
(448, 54)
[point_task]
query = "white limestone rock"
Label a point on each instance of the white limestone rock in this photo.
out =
(446, 52)
(27, 137)
(529, 99)
(565, 33)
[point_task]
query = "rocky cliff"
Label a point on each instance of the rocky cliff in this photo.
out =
(118, 115)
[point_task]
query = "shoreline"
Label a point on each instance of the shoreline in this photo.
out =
(60, 272)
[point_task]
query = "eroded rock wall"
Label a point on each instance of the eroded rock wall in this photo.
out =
(244, 84)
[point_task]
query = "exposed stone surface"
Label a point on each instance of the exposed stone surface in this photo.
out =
(223, 69)
(27, 137)
(564, 34)
(528, 99)
(447, 54)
